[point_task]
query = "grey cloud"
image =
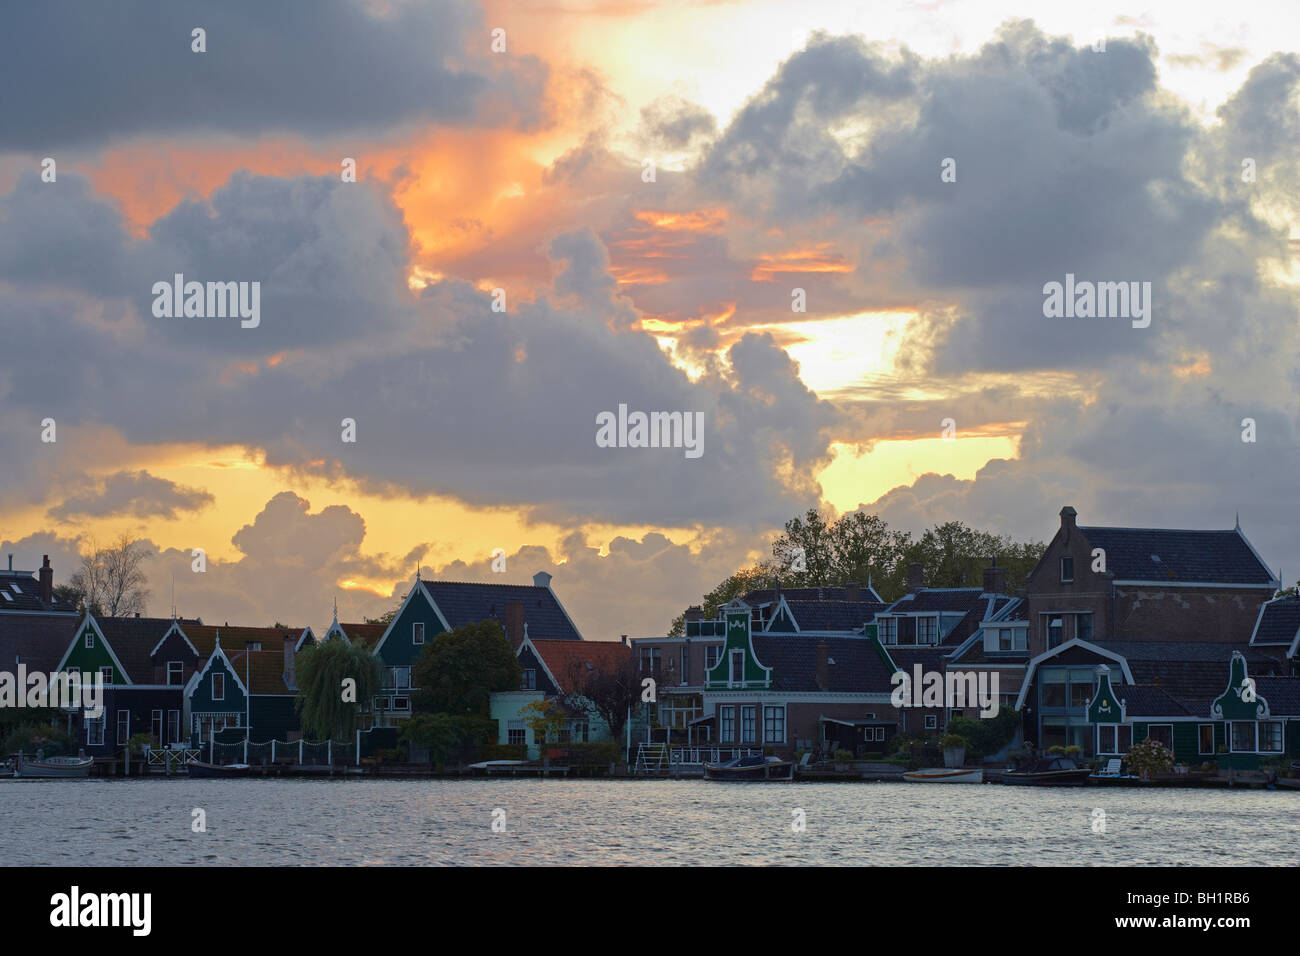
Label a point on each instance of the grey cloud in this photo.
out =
(138, 494)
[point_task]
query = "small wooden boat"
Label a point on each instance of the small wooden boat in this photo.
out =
(1288, 783)
(1049, 772)
(198, 768)
(53, 766)
(945, 775)
(757, 768)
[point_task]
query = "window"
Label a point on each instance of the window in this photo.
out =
(931, 722)
(774, 725)
(417, 632)
(1004, 638)
(747, 725)
(1205, 739)
(579, 731)
(90, 638)
(737, 667)
(529, 681)
(1080, 691)
(711, 655)
(1083, 627)
(686, 665)
(401, 703)
(399, 678)
(156, 726)
(123, 727)
(175, 671)
(1114, 738)
(218, 686)
(1067, 569)
(515, 733)
(1162, 734)
(1270, 737)
(1241, 737)
(106, 675)
(173, 726)
(1055, 631)
(888, 630)
(927, 630)
(95, 732)
(1053, 691)
(727, 723)
(649, 659)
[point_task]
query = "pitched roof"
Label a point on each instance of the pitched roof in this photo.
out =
(367, 634)
(833, 615)
(951, 600)
(467, 602)
(1197, 557)
(566, 658)
(20, 591)
(1279, 622)
(1144, 700)
(37, 640)
(133, 640)
(761, 596)
(1191, 671)
(858, 666)
(1282, 694)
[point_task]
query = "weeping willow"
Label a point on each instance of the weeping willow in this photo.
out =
(328, 706)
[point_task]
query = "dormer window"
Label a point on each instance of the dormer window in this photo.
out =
(927, 630)
(1067, 569)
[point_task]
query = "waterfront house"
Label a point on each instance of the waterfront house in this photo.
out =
(246, 683)
(432, 607)
(1252, 719)
(557, 670)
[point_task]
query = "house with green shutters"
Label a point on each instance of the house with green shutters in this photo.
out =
(1253, 720)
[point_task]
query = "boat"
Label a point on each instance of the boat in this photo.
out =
(496, 764)
(197, 768)
(1049, 772)
(945, 775)
(53, 766)
(757, 767)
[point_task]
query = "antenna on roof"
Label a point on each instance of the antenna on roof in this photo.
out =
(1238, 528)
(173, 595)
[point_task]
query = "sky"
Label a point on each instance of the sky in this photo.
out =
(651, 190)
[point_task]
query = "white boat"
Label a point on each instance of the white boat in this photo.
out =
(945, 775)
(493, 764)
(53, 767)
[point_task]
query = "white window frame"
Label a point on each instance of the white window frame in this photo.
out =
(173, 727)
(90, 638)
(1281, 736)
(1151, 727)
(736, 653)
(106, 674)
(1061, 568)
(180, 673)
(123, 727)
(1204, 753)
(748, 724)
(772, 708)
(95, 724)
(931, 722)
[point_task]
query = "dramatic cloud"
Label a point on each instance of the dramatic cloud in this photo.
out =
(138, 494)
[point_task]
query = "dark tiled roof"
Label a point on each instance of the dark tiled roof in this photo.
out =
(565, 659)
(928, 656)
(132, 638)
(858, 666)
(1205, 557)
(833, 615)
(953, 600)
(20, 591)
(1279, 623)
(265, 667)
(1190, 671)
(975, 654)
(1157, 651)
(1282, 694)
(37, 640)
(467, 602)
(1143, 700)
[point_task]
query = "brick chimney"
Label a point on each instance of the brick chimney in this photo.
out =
(915, 577)
(995, 579)
(852, 591)
(1069, 521)
(290, 671)
(46, 582)
(823, 665)
(515, 623)
(695, 613)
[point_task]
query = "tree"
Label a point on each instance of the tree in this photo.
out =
(609, 691)
(545, 718)
(448, 736)
(68, 594)
(458, 672)
(387, 617)
(325, 707)
(743, 581)
(111, 580)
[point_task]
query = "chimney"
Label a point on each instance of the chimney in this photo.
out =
(625, 640)
(11, 562)
(995, 578)
(290, 673)
(46, 586)
(695, 613)
(1069, 520)
(541, 580)
(515, 621)
(823, 666)
(852, 591)
(915, 577)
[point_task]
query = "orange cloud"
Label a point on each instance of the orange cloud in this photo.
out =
(818, 258)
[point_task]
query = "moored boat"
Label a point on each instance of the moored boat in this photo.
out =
(758, 768)
(1049, 772)
(945, 775)
(198, 768)
(53, 767)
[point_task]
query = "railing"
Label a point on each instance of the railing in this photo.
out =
(698, 756)
(170, 759)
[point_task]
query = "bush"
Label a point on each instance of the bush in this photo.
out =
(593, 755)
(504, 752)
(986, 736)
(952, 742)
(843, 756)
(1150, 756)
(29, 738)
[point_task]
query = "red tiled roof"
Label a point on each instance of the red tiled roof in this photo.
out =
(567, 658)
